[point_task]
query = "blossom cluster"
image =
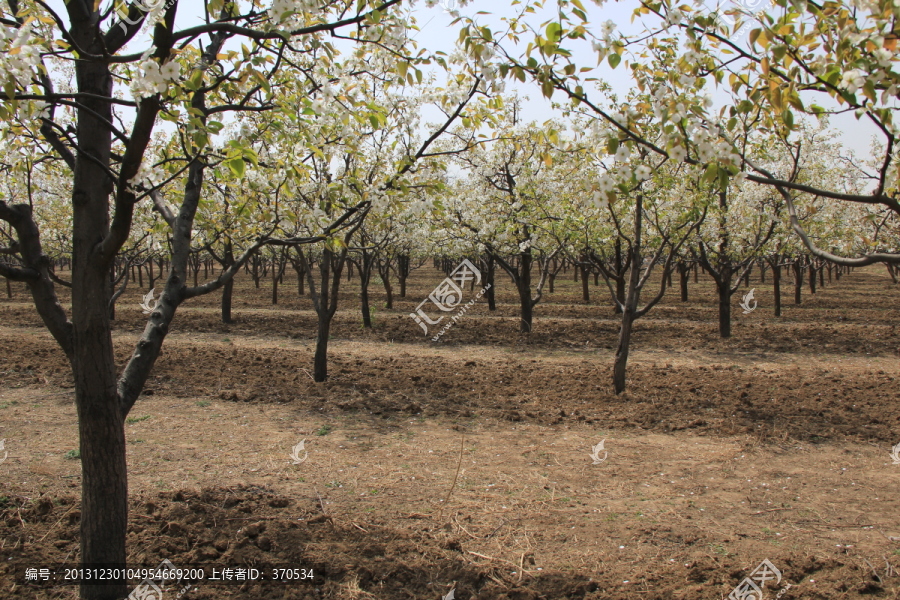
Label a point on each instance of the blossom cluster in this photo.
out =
(21, 53)
(152, 78)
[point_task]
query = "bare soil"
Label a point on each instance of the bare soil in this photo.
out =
(465, 464)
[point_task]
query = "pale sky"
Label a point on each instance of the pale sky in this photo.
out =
(438, 33)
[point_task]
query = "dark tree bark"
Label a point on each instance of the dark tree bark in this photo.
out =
(325, 302)
(621, 266)
(228, 288)
(403, 272)
(798, 281)
(812, 277)
(585, 291)
(775, 264)
(367, 260)
(683, 279)
(489, 279)
(520, 273)
(384, 271)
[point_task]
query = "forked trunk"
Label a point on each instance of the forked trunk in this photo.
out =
(101, 429)
(620, 366)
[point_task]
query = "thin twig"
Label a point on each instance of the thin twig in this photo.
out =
(462, 438)
(57, 523)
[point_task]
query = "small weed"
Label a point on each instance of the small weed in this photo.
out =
(138, 441)
(72, 454)
(8, 404)
(133, 420)
(612, 517)
(374, 492)
(334, 484)
(202, 403)
(324, 430)
(4, 501)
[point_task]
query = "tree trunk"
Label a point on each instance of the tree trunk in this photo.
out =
(620, 272)
(798, 282)
(320, 362)
(524, 286)
(724, 290)
(276, 276)
(620, 366)
(489, 279)
(683, 279)
(812, 277)
(228, 288)
(776, 282)
(365, 275)
(9, 287)
(101, 426)
(388, 290)
(403, 272)
(325, 303)
(585, 291)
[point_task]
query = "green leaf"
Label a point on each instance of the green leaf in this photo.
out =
(612, 144)
(552, 32)
(614, 60)
(723, 179)
(237, 166)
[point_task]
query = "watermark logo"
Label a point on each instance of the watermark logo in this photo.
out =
(295, 453)
(149, 590)
(449, 295)
(145, 6)
(146, 306)
(596, 450)
(752, 587)
(755, 7)
(745, 303)
(6, 453)
(450, 7)
(895, 453)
